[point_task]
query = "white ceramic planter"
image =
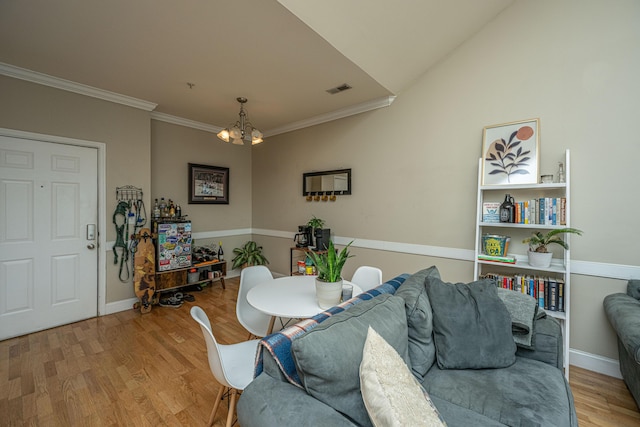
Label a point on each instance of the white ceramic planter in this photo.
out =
(328, 293)
(540, 259)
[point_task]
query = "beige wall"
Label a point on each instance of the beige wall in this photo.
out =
(572, 64)
(173, 148)
(125, 131)
(134, 143)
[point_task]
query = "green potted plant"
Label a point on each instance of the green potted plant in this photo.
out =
(539, 255)
(248, 254)
(314, 223)
(329, 281)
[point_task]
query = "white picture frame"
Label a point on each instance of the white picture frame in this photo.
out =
(510, 153)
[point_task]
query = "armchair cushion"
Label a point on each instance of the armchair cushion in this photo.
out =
(633, 289)
(623, 312)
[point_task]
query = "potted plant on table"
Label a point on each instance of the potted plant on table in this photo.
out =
(249, 254)
(329, 281)
(539, 255)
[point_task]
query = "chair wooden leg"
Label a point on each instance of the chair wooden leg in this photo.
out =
(232, 406)
(216, 405)
(270, 327)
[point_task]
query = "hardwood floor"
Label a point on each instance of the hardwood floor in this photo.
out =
(602, 400)
(150, 370)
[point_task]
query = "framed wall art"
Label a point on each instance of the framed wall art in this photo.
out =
(208, 184)
(510, 153)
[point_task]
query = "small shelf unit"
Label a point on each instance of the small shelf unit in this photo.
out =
(299, 254)
(176, 279)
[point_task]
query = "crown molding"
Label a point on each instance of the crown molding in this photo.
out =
(163, 117)
(334, 115)
(58, 83)
(323, 118)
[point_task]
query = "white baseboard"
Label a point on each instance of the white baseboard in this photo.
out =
(127, 304)
(122, 305)
(593, 362)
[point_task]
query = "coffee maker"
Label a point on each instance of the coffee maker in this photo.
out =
(323, 235)
(303, 238)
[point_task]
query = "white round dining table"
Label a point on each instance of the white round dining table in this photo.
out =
(289, 297)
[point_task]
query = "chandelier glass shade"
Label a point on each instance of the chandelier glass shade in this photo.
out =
(236, 133)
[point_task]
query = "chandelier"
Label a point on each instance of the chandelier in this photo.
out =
(242, 127)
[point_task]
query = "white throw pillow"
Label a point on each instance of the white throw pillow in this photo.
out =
(391, 394)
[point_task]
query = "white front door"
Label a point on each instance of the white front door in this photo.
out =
(48, 257)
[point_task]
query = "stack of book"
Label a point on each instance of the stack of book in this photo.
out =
(546, 210)
(548, 291)
(508, 259)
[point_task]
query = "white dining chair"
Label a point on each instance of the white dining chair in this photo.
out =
(253, 320)
(231, 365)
(367, 277)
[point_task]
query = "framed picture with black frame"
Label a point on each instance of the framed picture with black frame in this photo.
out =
(208, 184)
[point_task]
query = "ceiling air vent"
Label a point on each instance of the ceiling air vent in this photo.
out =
(339, 89)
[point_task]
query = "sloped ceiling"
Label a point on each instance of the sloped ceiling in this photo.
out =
(282, 56)
(396, 42)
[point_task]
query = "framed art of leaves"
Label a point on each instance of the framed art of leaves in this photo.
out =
(510, 153)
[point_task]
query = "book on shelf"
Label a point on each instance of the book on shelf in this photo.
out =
(560, 294)
(553, 295)
(540, 294)
(548, 291)
(545, 211)
(508, 259)
(491, 212)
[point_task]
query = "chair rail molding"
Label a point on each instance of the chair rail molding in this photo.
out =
(583, 268)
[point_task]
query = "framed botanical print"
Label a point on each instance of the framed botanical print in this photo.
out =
(510, 153)
(208, 184)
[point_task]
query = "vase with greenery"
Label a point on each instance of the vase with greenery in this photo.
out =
(539, 255)
(248, 254)
(329, 265)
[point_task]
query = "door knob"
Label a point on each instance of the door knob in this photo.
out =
(91, 246)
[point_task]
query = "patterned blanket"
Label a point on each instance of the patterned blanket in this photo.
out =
(278, 344)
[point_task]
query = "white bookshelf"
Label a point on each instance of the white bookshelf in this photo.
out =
(561, 263)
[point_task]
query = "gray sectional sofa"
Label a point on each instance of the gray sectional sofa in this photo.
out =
(623, 311)
(308, 374)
